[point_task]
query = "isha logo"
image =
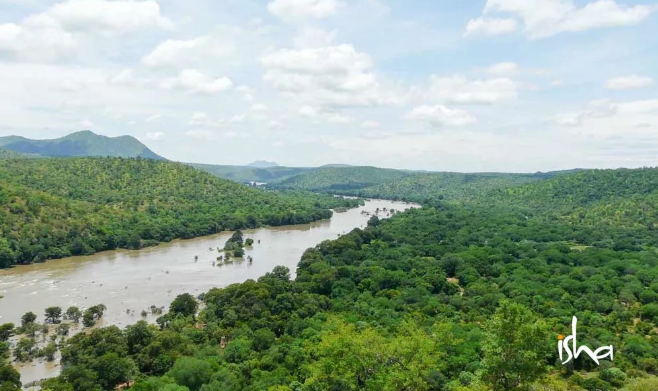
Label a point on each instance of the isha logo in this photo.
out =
(575, 351)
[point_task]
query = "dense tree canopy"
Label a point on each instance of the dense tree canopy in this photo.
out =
(455, 296)
(53, 208)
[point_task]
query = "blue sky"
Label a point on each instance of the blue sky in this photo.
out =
(459, 85)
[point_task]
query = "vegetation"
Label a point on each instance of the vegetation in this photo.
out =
(335, 179)
(449, 297)
(79, 144)
(251, 174)
(54, 208)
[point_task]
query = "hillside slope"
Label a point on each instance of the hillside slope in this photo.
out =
(251, 174)
(331, 179)
(84, 143)
(52, 208)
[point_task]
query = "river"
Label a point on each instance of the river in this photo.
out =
(128, 282)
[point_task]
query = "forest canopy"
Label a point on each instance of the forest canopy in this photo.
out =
(58, 207)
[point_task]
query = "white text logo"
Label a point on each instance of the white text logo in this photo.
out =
(575, 351)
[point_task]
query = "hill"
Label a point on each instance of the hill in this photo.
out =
(262, 164)
(84, 143)
(332, 179)
(432, 187)
(247, 174)
(53, 208)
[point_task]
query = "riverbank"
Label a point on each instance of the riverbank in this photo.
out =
(129, 281)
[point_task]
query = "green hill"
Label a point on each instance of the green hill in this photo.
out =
(251, 174)
(84, 143)
(332, 179)
(53, 208)
(431, 187)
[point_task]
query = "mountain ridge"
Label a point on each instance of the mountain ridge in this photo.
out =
(80, 144)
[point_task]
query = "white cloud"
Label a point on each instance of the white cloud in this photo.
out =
(176, 52)
(503, 69)
(297, 9)
(458, 89)
(334, 76)
(195, 82)
(639, 106)
(629, 82)
(370, 124)
(545, 18)
(59, 31)
(441, 116)
(100, 16)
(320, 114)
(258, 107)
(153, 118)
(314, 37)
(308, 111)
(155, 136)
(40, 45)
(87, 124)
(490, 26)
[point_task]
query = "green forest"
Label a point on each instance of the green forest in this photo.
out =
(58, 207)
(456, 296)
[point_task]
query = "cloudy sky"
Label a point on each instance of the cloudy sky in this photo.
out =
(458, 85)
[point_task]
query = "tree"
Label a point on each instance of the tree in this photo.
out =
(249, 242)
(185, 305)
(28, 318)
(73, 314)
(88, 319)
(515, 347)
(10, 379)
(53, 314)
(6, 331)
(49, 352)
(238, 253)
(191, 372)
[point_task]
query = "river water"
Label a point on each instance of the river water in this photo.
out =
(128, 282)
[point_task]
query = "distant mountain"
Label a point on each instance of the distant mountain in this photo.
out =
(84, 143)
(263, 164)
(335, 166)
(251, 174)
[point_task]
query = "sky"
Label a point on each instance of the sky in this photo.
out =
(445, 85)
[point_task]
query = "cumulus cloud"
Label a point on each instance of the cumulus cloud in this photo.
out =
(297, 9)
(441, 116)
(458, 89)
(195, 82)
(59, 31)
(546, 18)
(490, 26)
(101, 16)
(176, 52)
(335, 76)
(629, 82)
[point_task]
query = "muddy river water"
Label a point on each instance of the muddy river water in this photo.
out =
(128, 282)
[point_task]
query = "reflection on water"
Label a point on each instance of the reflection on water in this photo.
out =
(134, 280)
